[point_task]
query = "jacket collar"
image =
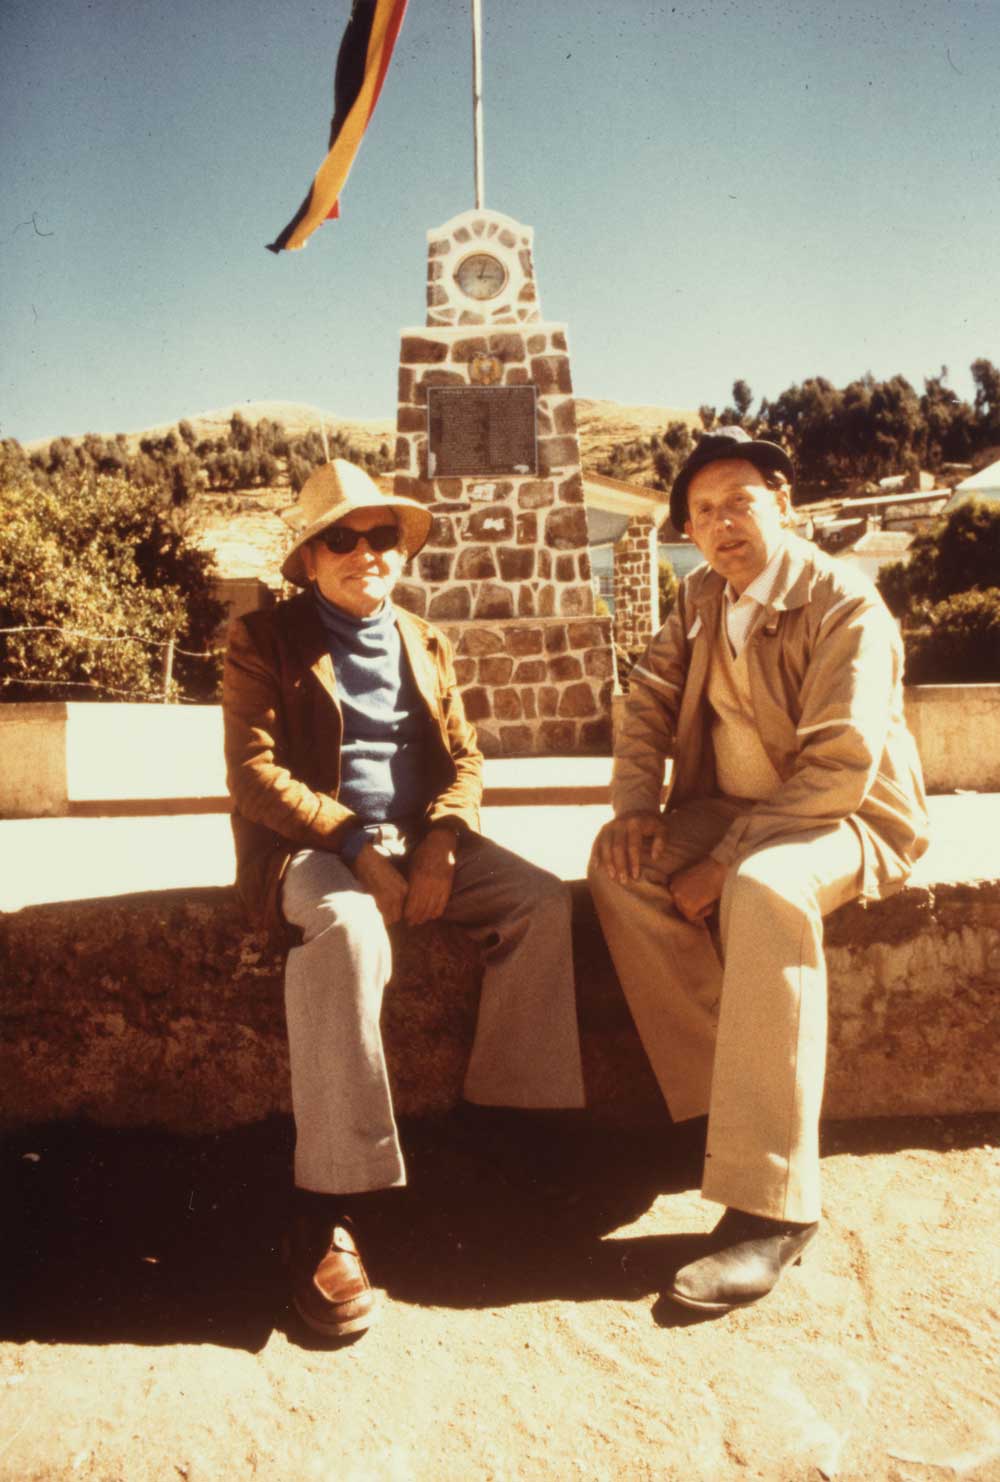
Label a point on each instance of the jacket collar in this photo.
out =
(310, 641)
(796, 573)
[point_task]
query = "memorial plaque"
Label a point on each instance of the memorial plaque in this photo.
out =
(480, 430)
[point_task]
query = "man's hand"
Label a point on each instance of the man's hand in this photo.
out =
(618, 848)
(383, 881)
(695, 890)
(432, 870)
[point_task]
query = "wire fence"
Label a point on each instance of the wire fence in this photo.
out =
(168, 645)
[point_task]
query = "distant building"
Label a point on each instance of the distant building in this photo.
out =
(982, 485)
(877, 548)
(239, 595)
(894, 483)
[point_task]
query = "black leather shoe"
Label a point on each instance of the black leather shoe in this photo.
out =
(748, 1254)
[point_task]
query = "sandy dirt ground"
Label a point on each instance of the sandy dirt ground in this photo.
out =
(146, 1333)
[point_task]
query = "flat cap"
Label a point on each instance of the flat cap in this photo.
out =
(727, 442)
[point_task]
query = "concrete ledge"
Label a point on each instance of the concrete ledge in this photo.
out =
(33, 760)
(957, 731)
(162, 1010)
(66, 759)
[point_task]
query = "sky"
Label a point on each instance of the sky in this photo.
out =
(763, 189)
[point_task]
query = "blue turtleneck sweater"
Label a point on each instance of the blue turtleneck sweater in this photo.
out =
(384, 755)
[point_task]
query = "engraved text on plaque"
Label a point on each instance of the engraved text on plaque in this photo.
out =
(477, 430)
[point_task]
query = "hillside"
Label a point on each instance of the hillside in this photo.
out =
(240, 526)
(601, 424)
(297, 418)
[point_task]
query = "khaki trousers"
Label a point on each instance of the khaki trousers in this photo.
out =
(734, 1024)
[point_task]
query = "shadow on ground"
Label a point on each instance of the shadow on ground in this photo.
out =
(121, 1236)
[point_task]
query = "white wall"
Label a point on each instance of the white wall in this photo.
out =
(55, 755)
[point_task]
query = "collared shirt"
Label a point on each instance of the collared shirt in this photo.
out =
(741, 612)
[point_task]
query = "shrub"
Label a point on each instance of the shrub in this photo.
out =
(667, 581)
(958, 641)
(956, 554)
(95, 555)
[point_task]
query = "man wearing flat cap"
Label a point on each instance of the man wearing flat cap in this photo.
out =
(775, 687)
(355, 780)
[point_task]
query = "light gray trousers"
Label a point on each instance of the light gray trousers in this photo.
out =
(526, 1050)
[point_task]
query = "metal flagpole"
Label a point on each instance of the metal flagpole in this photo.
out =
(477, 98)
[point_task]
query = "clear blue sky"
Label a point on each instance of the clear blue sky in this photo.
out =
(770, 190)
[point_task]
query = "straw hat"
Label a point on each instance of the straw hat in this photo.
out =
(337, 489)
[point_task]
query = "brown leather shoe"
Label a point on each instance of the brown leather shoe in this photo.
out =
(330, 1287)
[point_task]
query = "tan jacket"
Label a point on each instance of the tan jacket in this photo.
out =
(825, 662)
(283, 729)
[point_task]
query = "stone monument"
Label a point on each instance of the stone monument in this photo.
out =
(486, 438)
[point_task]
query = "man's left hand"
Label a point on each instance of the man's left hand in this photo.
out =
(432, 870)
(695, 890)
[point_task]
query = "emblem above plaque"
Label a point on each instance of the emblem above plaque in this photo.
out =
(486, 370)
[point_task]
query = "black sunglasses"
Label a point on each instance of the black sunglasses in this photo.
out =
(342, 540)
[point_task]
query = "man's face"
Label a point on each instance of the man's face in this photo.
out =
(359, 581)
(735, 520)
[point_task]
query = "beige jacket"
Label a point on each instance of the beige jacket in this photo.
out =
(825, 663)
(283, 727)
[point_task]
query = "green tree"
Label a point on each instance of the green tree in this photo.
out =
(949, 423)
(92, 555)
(805, 419)
(987, 403)
(958, 554)
(947, 596)
(957, 642)
(670, 452)
(667, 586)
(241, 433)
(742, 399)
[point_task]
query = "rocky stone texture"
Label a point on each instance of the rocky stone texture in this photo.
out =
(508, 556)
(636, 583)
(536, 687)
(163, 1010)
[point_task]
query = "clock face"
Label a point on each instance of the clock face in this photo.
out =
(481, 275)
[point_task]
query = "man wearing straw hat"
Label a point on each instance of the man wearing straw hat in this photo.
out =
(356, 779)
(776, 687)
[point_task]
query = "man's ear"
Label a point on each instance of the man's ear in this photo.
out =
(309, 560)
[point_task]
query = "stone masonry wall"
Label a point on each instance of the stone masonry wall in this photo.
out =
(636, 587)
(536, 687)
(163, 1010)
(506, 570)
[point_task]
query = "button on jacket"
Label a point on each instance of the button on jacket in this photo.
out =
(283, 733)
(825, 666)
